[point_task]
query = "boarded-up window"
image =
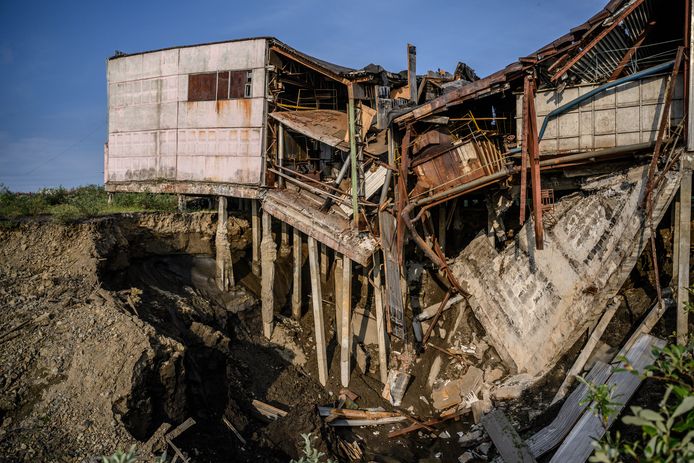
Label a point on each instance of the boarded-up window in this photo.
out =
(222, 85)
(202, 87)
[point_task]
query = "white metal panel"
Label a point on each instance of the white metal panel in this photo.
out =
(625, 115)
(246, 54)
(242, 112)
(143, 117)
(141, 155)
(143, 66)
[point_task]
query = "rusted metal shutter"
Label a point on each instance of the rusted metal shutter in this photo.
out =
(202, 87)
(223, 85)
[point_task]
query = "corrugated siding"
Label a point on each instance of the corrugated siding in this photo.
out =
(155, 133)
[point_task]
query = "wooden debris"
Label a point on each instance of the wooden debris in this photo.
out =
(395, 386)
(507, 441)
(551, 435)
(367, 422)
(178, 430)
(578, 445)
(153, 444)
(431, 422)
(234, 430)
(268, 411)
(350, 449)
(349, 394)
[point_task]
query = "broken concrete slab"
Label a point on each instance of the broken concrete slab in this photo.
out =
(535, 304)
(513, 387)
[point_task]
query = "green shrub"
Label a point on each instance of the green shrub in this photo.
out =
(311, 455)
(66, 213)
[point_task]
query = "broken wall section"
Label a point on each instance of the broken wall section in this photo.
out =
(534, 304)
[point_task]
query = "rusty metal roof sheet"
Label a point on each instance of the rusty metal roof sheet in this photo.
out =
(325, 125)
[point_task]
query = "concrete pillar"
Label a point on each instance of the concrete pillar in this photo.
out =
(338, 297)
(324, 264)
(181, 203)
(346, 323)
(380, 318)
(267, 280)
(317, 299)
(223, 263)
(285, 250)
(684, 249)
(296, 288)
(255, 231)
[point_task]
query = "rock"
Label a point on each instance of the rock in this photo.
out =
(434, 371)
(362, 358)
(484, 448)
(637, 301)
(465, 457)
(491, 375)
(479, 408)
(442, 333)
(513, 387)
(364, 326)
(470, 439)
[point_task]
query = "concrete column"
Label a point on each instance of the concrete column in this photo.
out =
(267, 280)
(324, 264)
(317, 299)
(223, 262)
(380, 318)
(255, 231)
(346, 323)
(181, 203)
(684, 249)
(285, 250)
(338, 297)
(296, 288)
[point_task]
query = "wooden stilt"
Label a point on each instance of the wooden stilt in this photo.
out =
(380, 315)
(346, 328)
(255, 231)
(267, 280)
(684, 250)
(181, 200)
(317, 298)
(296, 289)
(223, 264)
(675, 245)
(338, 297)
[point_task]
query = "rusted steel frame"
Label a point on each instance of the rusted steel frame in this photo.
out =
(317, 190)
(439, 311)
(527, 94)
(534, 156)
(308, 64)
(320, 184)
(596, 39)
(630, 53)
(664, 120)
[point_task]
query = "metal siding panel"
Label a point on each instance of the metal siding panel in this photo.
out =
(242, 112)
(243, 55)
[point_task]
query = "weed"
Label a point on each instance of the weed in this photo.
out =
(311, 455)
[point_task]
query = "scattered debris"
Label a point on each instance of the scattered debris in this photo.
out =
(268, 411)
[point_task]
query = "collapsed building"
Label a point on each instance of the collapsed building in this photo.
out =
(527, 195)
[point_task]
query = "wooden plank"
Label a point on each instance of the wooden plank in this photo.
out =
(690, 80)
(551, 435)
(506, 440)
(578, 445)
(346, 324)
(296, 281)
(317, 299)
(268, 255)
(683, 254)
(380, 323)
(234, 430)
(181, 428)
(268, 410)
(587, 349)
(255, 234)
(422, 425)
(324, 262)
(357, 423)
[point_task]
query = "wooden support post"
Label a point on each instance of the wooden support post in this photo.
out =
(296, 288)
(346, 328)
(280, 153)
(323, 263)
(442, 228)
(284, 240)
(181, 203)
(317, 299)
(412, 71)
(255, 233)
(380, 318)
(338, 297)
(109, 199)
(267, 279)
(223, 263)
(675, 245)
(684, 249)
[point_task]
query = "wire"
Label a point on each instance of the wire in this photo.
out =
(60, 153)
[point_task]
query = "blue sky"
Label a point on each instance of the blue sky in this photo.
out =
(53, 54)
